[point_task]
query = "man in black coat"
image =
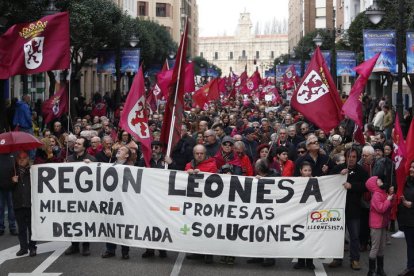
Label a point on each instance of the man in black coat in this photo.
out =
(355, 184)
(21, 190)
(7, 170)
(80, 155)
(183, 151)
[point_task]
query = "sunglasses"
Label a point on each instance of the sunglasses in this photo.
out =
(313, 143)
(227, 144)
(301, 151)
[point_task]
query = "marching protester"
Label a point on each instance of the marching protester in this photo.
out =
(7, 168)
(80, 155)
(21, 189)
(379, 216)
(263, 169)
(122, 156)
(201, 163)
(355, 185)
(305, 171)
(158, 160)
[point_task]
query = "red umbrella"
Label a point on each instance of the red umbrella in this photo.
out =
(17, 140)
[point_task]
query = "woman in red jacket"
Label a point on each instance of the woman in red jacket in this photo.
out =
(379, 217)
(281, 162)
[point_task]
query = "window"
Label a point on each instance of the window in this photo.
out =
(215, 55)
(161, 9)
(257, 54)
(142, 8)
(244, 53)
(231, 55)
(272, 54)
(201, 54)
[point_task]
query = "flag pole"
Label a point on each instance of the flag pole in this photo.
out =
(69, 115)
(168, 153)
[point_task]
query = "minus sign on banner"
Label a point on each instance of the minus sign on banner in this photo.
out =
(174, 208)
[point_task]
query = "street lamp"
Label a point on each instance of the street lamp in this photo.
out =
(133, 41)
(375, 15)
(318, 40)
(51, 9)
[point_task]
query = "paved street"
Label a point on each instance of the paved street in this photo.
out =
(53, 261)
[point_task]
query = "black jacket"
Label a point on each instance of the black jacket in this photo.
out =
(357, 177)
(7, 171)
(406, 215)
(21, 191)
(316, 166)
(183, 152)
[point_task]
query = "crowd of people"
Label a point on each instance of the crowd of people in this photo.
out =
(239, 136)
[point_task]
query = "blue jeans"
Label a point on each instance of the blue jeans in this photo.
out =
(6, 198)
(409, 239)
(353, 226)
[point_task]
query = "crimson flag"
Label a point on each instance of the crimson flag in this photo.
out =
(290, 77)
(163, 82)
(359, 135)
(134, 118)
(56, 105)
(252, 83)
(30, 48)
(317, 97)
(399, 156)
(99, 109)
(241, 81)
(174, 108)
(208, 92)
(222, 85)
(353, 106)
(410, 147)
(152, 100)
(189, 85)
(165, 66)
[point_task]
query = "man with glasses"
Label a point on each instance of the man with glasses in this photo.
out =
(157, 161)
(211, 143)
(301, 149)
(321, 163)
(95, 146)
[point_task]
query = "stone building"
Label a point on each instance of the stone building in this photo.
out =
(243, 49)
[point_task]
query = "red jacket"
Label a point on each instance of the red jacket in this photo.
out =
(247, 167)
(208, 165)
(379, 212)
(288, 168)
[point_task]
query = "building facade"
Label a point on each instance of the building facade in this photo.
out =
(305, 16)
(244, 49)
(171, 14)
(129, 6)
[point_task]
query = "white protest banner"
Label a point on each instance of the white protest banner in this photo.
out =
(203, 213)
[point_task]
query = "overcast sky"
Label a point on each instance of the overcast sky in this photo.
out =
(217, 17)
